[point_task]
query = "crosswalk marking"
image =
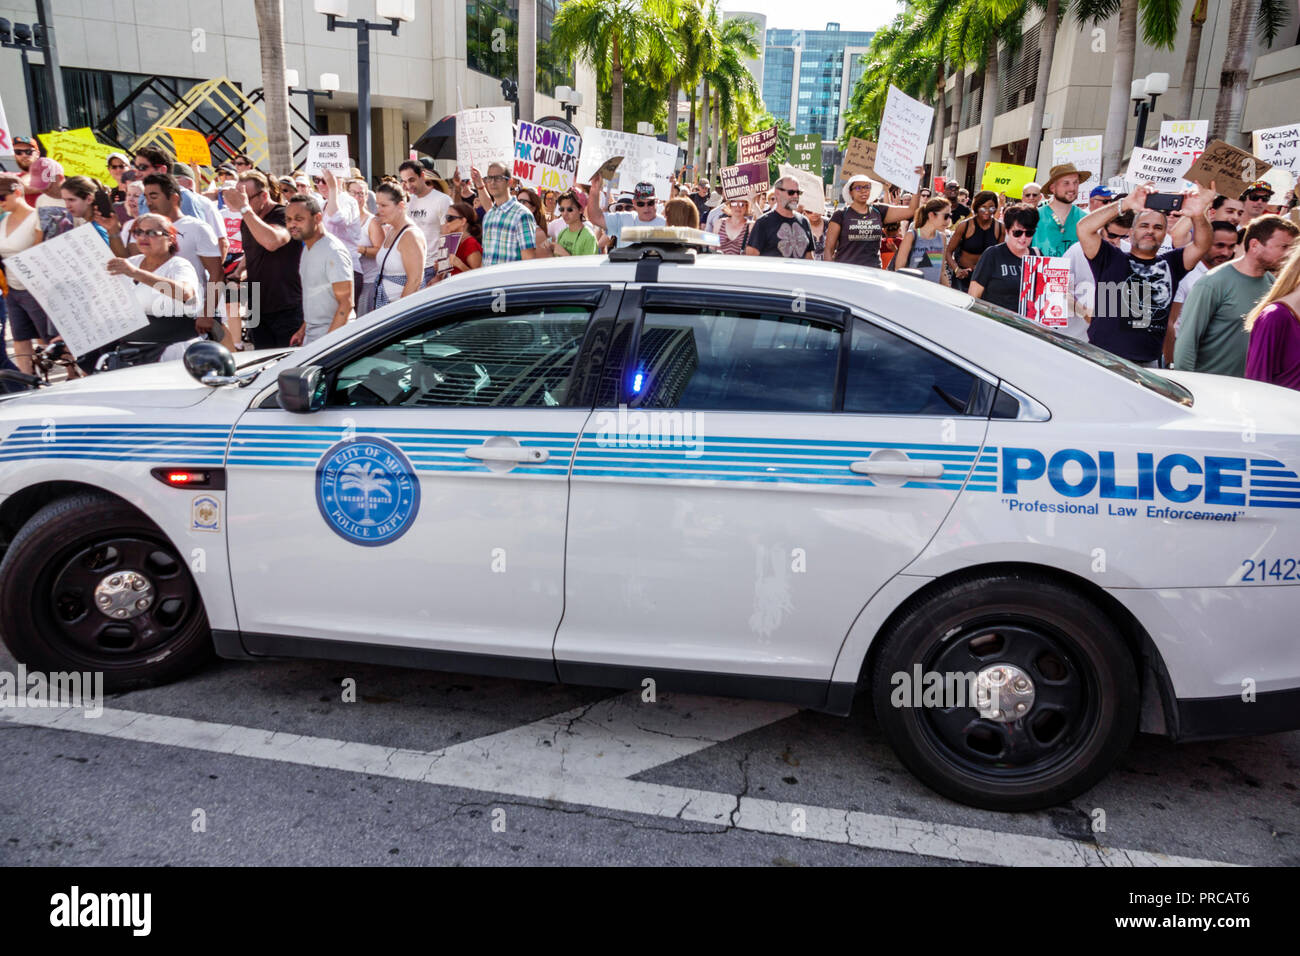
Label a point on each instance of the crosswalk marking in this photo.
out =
(587, 763)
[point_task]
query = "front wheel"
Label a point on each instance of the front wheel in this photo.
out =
(1027, 692)
(90, 584)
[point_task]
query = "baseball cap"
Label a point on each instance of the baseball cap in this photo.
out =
(644, 190)
(180, 169)
(1101, 191)
(24, 140)
(1258, 186)
(228, 168)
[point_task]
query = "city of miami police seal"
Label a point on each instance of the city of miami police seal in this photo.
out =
(367, 491)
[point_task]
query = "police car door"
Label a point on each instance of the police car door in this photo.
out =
(424, 505)
(777, 462)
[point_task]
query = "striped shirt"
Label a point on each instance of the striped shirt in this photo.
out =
(508, 229)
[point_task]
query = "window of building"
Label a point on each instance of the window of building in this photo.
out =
(492, 42)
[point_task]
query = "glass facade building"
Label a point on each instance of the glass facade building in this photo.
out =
(806, 76)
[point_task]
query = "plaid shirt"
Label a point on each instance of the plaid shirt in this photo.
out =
(508, 229)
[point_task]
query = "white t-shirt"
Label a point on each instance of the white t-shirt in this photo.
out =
(196, 239)
(1085, 290)
(616, 222)
(207, 211)
(1185, 287)
(322, 264)
(427, 212)
(160, 303)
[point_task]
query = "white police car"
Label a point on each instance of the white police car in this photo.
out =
(776, 479)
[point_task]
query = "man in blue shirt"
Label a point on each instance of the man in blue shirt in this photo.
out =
(644, 214)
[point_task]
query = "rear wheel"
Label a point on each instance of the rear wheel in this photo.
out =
(1029, 694)
(90, 584)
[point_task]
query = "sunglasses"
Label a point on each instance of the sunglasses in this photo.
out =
(451, 217)
(1114, 238)
(1019, 232)
(947, 215)
(155, 233)
(242, 162)
(564, 209)
(142, 167)
(496, 178)
(1258, 197)
(116, 166)
(793, 192)
(24, 152)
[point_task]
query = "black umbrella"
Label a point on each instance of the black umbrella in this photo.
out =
(439, 140)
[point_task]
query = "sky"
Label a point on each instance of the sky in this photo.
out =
(815, 14)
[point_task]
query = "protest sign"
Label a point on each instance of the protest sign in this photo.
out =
(1281, 182)
(546, 158)
(484, 136)
(1045, 290)
(1183, 136)
(904, 133)
(443, 249)
(645, 159)
(190, 146)
(610, 167)
(814, 190)
(859, 159)
(328, 152)
(1007, 178)
(740, 180)
(78, 152)
(1230, 169)
(6, 139)
(67, 275)
(753, 147)
(1085, 153)
(1163, 170)
(1279, 145)
(806, 152)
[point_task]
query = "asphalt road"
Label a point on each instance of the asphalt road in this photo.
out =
(248, 764)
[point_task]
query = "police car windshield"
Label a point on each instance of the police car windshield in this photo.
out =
(1134, 373)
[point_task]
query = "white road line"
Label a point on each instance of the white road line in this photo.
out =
(466, 768)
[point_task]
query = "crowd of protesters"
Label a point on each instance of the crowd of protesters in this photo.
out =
(1212, 286)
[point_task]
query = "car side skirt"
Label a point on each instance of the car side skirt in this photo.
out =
(1214, 718)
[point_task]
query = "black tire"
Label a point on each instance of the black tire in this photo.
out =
(1081, 719)
(48, 614)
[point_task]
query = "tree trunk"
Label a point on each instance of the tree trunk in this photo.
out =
(988, 107)
(941, 83)
(690, 133)
(1121, 80)
(616, 90)
(673, 90)
(1237, 63)
(956, 117)
(275, 91)
(715, 170)
(1187, 85)
(527, 60)
(705, 121)
(1046, 47)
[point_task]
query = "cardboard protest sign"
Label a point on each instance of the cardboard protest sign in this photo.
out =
(752, 147)
(546, 158)
(68, 277)
(610, 167)
(859, 159)
(328, 152)
(904, 133)
(190, 146)
(443, 249)
(806, 152)
(1085, 153)
(484, 136)
(645, 159)
(1045, 290)
(6, 139)
(1007, 178)
(1279, 145)
(1183, 136)
(78, 152)
(1163, 170)
(1230, 169)
(814, 190)
(740, 180)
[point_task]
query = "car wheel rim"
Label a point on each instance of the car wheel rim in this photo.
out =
(113, 599)
(1042, 710)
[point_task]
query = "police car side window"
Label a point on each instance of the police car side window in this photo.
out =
(888, 375)
(481, 359)
(739, 361)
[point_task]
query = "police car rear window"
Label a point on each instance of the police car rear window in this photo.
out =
(1134, 373)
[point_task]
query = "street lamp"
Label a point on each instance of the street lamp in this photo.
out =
(1154, 85)
(645, 129)
(570, 100)
(329, 83)
(396, 12)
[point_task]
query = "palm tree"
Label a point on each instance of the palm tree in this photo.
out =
(270, 29)
(1268, 16)
(1047, 30)
(737, 42)
(368, 481)
(1187, 85)
(609, 35)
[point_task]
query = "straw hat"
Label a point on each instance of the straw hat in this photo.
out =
(1065, 169)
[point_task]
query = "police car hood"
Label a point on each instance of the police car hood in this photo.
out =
(1240, 404)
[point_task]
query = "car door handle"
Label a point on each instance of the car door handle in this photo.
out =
(899, 469)
(531, 456)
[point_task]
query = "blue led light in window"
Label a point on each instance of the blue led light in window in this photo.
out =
(636, 382)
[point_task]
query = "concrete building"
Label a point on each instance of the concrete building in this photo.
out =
(454, 53)
(807, 76)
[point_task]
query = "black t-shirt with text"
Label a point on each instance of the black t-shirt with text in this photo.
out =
(1133, 297)
(276, 272)
(859, 240)
(776, 235)
(999, 271)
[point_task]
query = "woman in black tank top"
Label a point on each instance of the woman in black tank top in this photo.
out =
(972, 236)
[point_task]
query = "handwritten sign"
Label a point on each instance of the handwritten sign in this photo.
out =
(740, 180)
(1045, 290)
(1165, 171)
(1279, 145)
(546, 158)
(6, 139)
(859, 159)
(806, 152)
(1229, 168)
(484, 136)
(814, 190)
(645, 159)
(443, 249)
(904, 133)
(328, 152)
(1183, 136)
(753, 147)
(67, 275)
(78, 152)
(1007, 178)
(1084, 152)
(190, 145)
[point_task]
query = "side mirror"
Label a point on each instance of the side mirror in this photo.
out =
(210, 363)
(302, 389)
